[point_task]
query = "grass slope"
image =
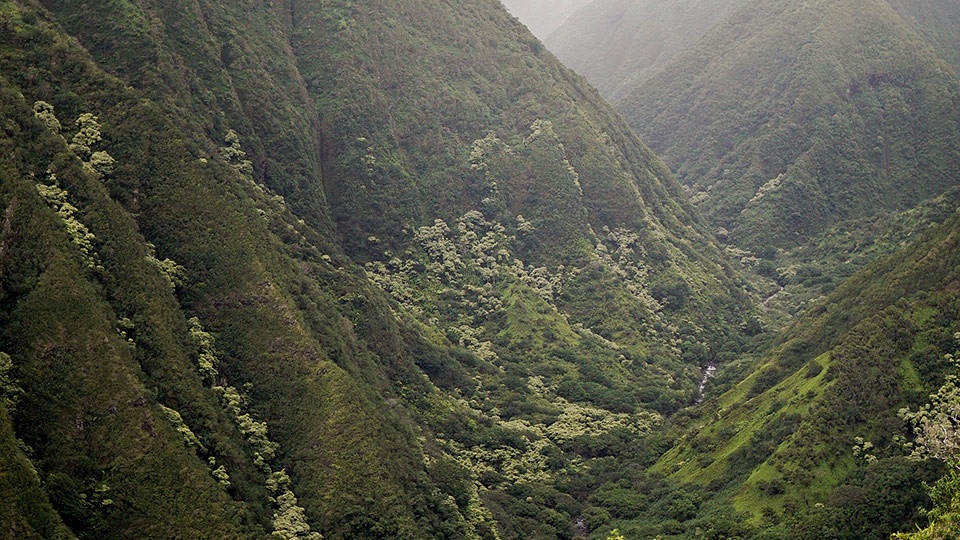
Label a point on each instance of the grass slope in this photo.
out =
(777, 446)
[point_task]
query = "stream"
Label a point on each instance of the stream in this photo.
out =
(766, 301)
(709, 372)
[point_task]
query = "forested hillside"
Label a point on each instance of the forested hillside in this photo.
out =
(382, 270)
(813, 443)
(788, 118)
(937, 21)
(816, 138)
(387, 269)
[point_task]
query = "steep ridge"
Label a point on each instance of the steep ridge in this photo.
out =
(785, 120)
(192, 191)
(836, 382)
(197, 447)
(528, 146)
(811, 444)
(88, 421)
(937, 21)
(617, 44)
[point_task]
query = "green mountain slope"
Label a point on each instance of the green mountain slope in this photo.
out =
(388, 270)
(123, 347)
(808, 443)
(811, 444)
(90, 424)
(785, 120)
(937, 21)
(794, 278)
(372, 271)
(497, 136)
(617, 44)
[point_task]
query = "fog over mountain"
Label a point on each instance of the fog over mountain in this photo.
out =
(542, 17)
(617, 44)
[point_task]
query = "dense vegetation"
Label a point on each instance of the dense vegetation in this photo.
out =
(935, 20)
(389, 270)
(262, 273)
(774, 451)
(814, 438)
(787, 119)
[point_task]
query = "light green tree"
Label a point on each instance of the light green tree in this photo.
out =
(189, 437)
(9, 391)
(615, 535)
(861, 452)
(207, 360)
(56, 198)
(102, 163)
(220, 473)
(936, 427)
(289, 520)
(87, 136)
(44, 112)
(233, 154)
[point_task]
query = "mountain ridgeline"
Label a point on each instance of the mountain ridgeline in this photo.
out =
(542, 17)
(387, 269)
(816, 137)
(358, 270)
(788, 118)
(617, 44)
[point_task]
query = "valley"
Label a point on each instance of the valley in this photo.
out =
(342, 270)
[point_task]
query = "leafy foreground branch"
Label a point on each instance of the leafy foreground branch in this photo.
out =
(937, 431)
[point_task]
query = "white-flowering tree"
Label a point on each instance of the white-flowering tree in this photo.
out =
(44, 112)
(936, 428)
